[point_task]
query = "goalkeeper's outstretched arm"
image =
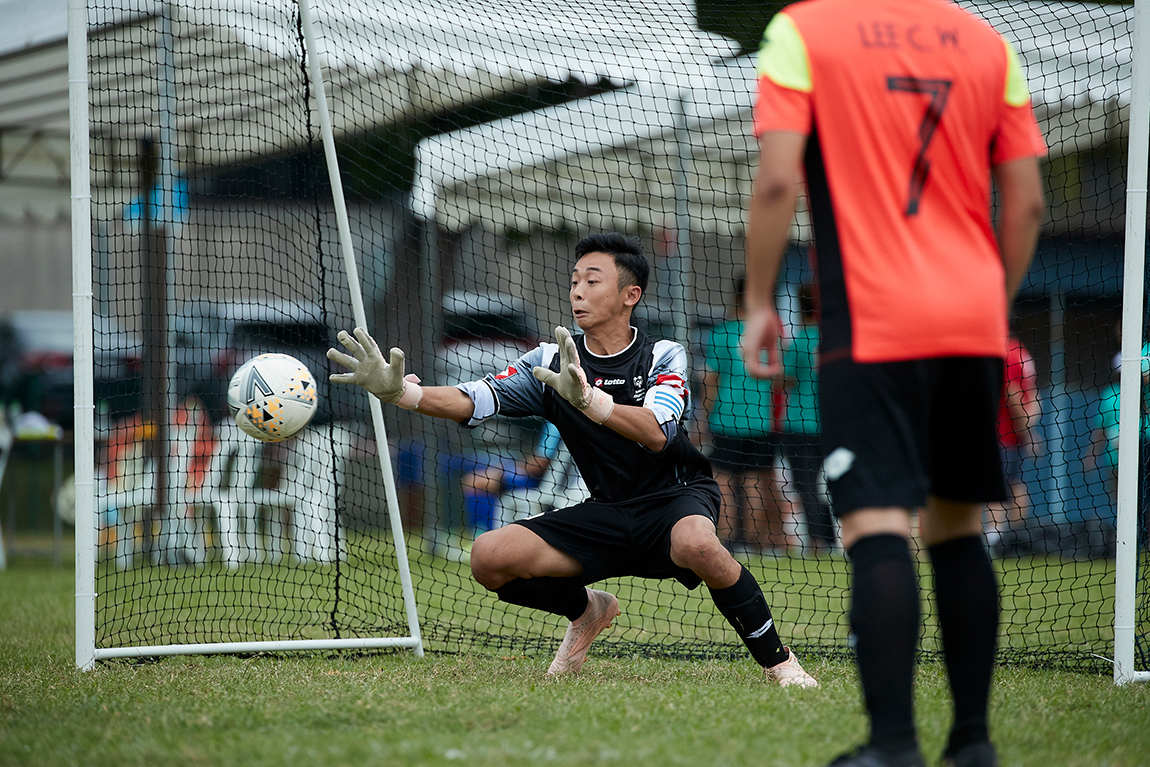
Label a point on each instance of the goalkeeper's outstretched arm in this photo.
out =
(385, 379)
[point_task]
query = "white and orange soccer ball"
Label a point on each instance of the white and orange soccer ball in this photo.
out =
(272, 397)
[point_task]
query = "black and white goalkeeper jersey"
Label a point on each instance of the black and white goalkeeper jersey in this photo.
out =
(648, 373)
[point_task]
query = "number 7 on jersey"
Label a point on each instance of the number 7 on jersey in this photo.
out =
(938, 90)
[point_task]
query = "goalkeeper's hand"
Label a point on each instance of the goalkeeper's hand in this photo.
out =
(368, 369)
(571, 381)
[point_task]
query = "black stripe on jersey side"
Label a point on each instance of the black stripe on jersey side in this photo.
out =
(834, 312)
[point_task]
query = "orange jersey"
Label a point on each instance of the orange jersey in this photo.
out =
(907, 105)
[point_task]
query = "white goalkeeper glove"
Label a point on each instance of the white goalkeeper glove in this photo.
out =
(368, 369)
(571, 381)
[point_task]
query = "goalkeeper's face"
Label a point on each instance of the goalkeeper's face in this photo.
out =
(597, 300)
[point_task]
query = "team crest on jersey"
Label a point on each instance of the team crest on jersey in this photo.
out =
(637, 382)
(507, 373)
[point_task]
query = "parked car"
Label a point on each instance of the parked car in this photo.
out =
(37, 351)
(214, 338)
(483, 333)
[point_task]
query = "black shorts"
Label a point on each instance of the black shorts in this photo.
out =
(738, 454)
(634, 538)
(896, 432)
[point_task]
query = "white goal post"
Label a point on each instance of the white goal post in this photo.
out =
(1133, 331)
(86, 544)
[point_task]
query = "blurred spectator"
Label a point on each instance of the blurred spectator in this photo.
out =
(126, 476)
(409, 480)
(483, 486)
(1103, 451)
(801, 441)
(743, 442)
(1018, 419)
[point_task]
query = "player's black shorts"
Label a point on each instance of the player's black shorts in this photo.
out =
(738, 454)
(634, 538)
(895, 432)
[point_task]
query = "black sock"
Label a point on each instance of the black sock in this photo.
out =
(966, 595)
(885, 619)
(745, 608)
(562, 596)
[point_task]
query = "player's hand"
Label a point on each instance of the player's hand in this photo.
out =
(571, 381)
(762, 332)
(368, 369)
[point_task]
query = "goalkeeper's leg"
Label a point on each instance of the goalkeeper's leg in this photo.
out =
(523, 569)
(738, 597)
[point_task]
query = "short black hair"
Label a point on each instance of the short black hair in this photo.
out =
(633, 267)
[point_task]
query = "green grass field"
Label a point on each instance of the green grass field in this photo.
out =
(492, 709)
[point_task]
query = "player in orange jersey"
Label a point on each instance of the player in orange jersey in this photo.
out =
(900, 113)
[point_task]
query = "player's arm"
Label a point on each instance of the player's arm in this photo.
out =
(665, 401)
(1105, 429)
(708, 393)
(536, 466)
(782, 116)
(772, 209)
(1095, 450)
(385, 379)
(1016, 148)
(1019, 217)
(637, 424)
(1020, 412)
(529, 472)
(445, 402)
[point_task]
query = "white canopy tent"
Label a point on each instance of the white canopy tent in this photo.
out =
(408, 59)
(236, 88)
(605, 162)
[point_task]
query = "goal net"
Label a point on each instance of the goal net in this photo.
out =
(476, 142)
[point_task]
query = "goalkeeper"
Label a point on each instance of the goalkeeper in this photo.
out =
(617, 398)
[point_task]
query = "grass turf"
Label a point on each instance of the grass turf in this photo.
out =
(488, 709)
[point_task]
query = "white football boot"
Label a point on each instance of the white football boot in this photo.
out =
(601, 610)
(789, 673)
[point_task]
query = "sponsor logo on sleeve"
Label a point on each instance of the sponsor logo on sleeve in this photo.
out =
(507, 373)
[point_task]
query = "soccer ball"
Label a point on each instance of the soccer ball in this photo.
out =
(272, 397)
